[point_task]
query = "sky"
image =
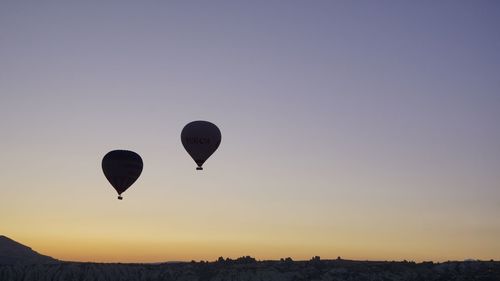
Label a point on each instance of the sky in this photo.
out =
(360, 129)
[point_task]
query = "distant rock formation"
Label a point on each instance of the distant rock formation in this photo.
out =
(12, 252)
(245, 270)
(18, 262)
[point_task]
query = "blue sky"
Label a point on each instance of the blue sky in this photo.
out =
(366, 129)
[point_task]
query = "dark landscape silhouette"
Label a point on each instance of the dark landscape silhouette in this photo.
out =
(19, 262)
(12, 252)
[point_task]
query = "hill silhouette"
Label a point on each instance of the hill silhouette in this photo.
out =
(12, 252)
(19, 262)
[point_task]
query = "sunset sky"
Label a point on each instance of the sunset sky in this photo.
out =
(360, 129)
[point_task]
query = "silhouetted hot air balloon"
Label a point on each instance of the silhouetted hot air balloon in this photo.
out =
(200, 139)
(122, 168)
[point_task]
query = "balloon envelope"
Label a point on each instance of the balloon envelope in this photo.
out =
(200, 139)
(122, 168)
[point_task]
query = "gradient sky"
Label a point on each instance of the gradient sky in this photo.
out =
(361, 129)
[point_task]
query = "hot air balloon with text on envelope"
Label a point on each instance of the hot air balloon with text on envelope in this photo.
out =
(200, 139)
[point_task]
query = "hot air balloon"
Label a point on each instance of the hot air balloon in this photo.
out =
(200, 139)
(122, 168)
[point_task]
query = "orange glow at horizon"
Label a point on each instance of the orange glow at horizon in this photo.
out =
(361, 130)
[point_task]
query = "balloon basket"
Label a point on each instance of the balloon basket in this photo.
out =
(120, 198)
(199, 168)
